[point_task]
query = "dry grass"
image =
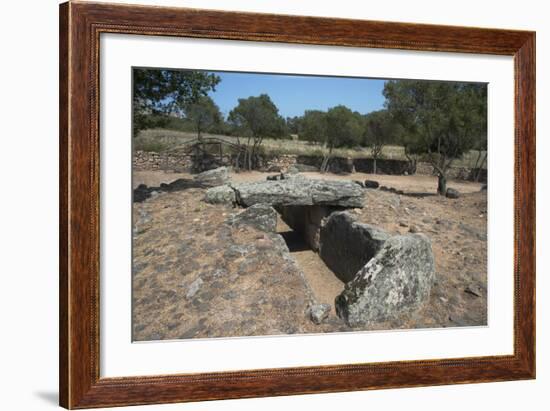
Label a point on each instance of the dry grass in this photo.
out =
(160, 140)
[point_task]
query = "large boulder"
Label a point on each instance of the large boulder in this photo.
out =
(347, 245)
(300, 191)
(261, 216)
(212, 178)
(220, 195)
(396, 281)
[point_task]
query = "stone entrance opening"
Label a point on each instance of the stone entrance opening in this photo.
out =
(323, 282)
(365, 274)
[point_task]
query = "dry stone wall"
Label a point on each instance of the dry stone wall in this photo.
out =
(185, 162)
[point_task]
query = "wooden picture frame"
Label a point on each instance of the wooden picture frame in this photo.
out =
(80, 27)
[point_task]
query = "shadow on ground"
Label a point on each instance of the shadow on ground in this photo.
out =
(142, 192)
(51, 397)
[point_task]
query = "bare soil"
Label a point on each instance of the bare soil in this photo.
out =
(180, 241)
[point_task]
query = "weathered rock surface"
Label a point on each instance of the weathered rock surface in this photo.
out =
(212, 279)
(220, 195)
(213, 178)
(261, 216)
(347, 245)
(300, 191)
(396, 281)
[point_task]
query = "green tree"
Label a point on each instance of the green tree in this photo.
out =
(293, 124)
(443, 120)
(256, 118)
(313, 126)
(203, 113)
(166, 92)
(343, 129)
(380, 130)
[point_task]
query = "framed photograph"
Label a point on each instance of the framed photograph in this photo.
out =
(258, 205)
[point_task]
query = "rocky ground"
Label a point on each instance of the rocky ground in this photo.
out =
(198, 275)
(458, 232)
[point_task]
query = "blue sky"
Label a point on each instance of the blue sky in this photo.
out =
(293, 94)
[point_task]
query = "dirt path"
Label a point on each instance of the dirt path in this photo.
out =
(322, 281)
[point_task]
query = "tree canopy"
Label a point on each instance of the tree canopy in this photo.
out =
(344, 128)
(380, 129)
(203, 113)
(313, 126)
(442, 120)
(167, 91)
(257, 118)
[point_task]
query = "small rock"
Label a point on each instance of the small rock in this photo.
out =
(474, 289)
(194, 288)
(483, 187)
(413, 229)
(452, 193)
(275, 177)
(403, 224)
(371, 184)
(319, 312)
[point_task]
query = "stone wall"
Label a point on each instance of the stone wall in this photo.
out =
(280, 163)
(185, 162)
(383, 166)
(458, 173)
(337, 165)
(177, 162)
(147, 161)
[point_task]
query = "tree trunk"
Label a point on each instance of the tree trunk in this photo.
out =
(237, 162)
(374, 166)
(441, 184)
(480, 167)
(325, 163)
